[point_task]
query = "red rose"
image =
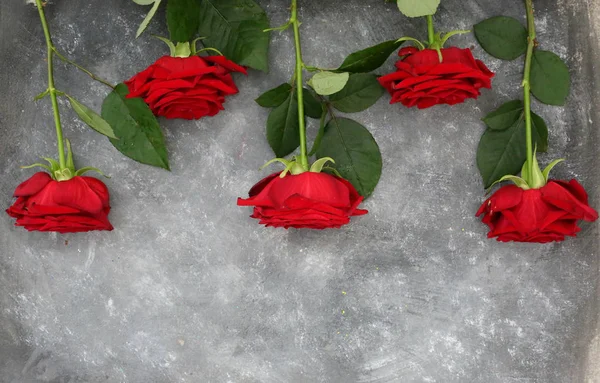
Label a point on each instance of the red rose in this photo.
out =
(307, 200)
(189, 87)
(424, 81)
(79, 204)
(537, 215)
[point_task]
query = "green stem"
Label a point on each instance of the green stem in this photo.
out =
(93, 76)
(430, 30)
(526, 83)
(51, 88)
(299, 66)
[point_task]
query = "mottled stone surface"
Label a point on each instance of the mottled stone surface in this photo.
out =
(189, 289)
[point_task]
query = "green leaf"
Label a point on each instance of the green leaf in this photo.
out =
(505, 116)
(356, 154)
(91, 118)
(550, 78)
(312, 106)
(502, 37)
(369, 59)
(326, 83)
(235, 28)
(501, 153)
(148, 18)
(144, 2)
(282, 127)
(512, 113)
(418, 8)
(361, 92)
(274, 97)
(183, 19)
(540, 132)
(132, 120)
(320, 133)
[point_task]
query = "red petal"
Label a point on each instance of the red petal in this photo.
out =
(227, 64)
(33, 185)
(558, 195)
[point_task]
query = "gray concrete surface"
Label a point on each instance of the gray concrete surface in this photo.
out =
(189, 289)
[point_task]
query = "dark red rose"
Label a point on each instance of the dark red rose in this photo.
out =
(189, 87)
(79, 204)
(307, 200)
(422, 80)
(537, 215)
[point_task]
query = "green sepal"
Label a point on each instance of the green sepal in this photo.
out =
(551, 166)
(169, 43)
(536, 178)
(520, 182)
(63, 174)
(82, 171)
(70, 163)
(317, 166)
(419, 44)
(36, 165)
(287, 169)
(193, 45)
(450, 34)
(282, 160)
(54, 165)
(329, 169)
(182, 50)
(291, 166)
(209, 49)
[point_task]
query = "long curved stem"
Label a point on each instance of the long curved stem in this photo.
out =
(299, 67)
(526, 83)
(430, 30)
(51, 88)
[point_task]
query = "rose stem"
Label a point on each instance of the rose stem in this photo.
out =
(299, 89)
(51, 89)
(430, 29)
(526, 84)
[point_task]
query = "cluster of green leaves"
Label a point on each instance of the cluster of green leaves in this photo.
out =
(502, 149)
(349, 89)
(234, 27)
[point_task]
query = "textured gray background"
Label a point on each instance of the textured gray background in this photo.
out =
(189, 289)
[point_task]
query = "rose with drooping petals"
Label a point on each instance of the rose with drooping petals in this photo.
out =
(306, 200)
(422, 80)
(537, 215)
(186, 87)
(77, 205)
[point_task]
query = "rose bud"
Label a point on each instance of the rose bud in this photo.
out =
(75, 205)
(425, 79)
(306, 200)
(186, 87)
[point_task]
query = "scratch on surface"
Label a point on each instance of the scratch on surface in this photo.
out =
(91, 256)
